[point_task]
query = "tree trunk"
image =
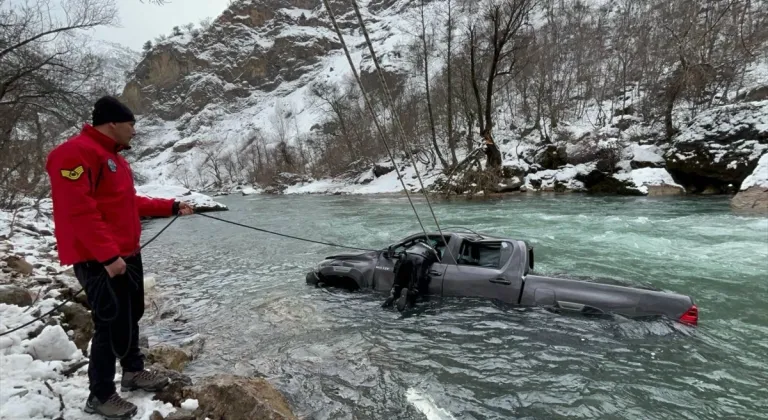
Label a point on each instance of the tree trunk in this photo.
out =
(451, 139)
(426, 86)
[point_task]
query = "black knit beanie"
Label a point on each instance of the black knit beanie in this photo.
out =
(108, 109)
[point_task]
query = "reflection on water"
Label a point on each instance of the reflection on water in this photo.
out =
(338, 355)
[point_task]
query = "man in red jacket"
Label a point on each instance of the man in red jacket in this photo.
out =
(97, 213)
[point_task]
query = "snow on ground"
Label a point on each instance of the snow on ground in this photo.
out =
(179, 193)
(758, 177)
(388, 183)
(30, 366)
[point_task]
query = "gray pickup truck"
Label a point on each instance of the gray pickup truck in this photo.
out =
(484, 266)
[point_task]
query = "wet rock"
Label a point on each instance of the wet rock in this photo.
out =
(169, 357)
(15, 295)
(177, 391)
(382, 169)
(183, 415)
(19, 265)
(510, 185)
(597, 182)
(664, 190)
(753, 199)
(552, 157)
(239, 398)
(78, 319)
(156, 416)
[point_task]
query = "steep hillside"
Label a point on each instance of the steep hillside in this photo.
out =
(603, 107)
(248, 71)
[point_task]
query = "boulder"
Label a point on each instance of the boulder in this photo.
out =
(651, 181)
(381, 169)
(78, 320)
(15, 295)
(552, 157)
(169, 357)
(597, 182)
(753, 199)
(720, 147)
(753, 194)
(240, 398)
(19, 265)
(177, 391)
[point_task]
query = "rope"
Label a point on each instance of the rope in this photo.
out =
(390, 102)
(286, 236)
(130, 274)
(69, 299)
(373, 113)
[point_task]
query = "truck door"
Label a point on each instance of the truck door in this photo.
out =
(484, 271)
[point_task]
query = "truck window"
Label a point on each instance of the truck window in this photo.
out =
(481, 254)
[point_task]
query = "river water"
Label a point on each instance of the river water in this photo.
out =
(338, 355)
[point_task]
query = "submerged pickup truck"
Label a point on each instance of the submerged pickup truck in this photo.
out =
(484, 266)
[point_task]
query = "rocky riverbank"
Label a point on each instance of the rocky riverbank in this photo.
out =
(45, 363)
(717, 152)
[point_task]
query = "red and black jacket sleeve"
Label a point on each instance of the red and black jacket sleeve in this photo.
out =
(73, 201)
(156, 207)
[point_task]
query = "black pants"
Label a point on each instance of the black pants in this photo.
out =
(116, 314)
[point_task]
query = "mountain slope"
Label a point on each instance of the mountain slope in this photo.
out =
(206, 97)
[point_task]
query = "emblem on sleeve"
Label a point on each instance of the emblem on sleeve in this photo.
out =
(73, 174)
(112, 165)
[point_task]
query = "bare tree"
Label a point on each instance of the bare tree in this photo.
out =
(48, 80)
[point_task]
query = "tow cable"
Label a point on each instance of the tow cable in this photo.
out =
(69, 299)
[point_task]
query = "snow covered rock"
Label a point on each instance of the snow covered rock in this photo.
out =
(720, 147)
(753, 194)
(652, 181)
(558, 180)
(643, 156)
(52, 344)
(201, 202)
(250, 191)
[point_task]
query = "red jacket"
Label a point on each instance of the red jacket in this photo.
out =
(95, 207)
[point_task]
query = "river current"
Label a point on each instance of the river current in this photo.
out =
(338, 355)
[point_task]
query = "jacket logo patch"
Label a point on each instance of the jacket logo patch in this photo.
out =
(112, 165)
(73, 174)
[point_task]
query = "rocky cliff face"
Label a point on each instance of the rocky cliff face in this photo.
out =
(250, 67)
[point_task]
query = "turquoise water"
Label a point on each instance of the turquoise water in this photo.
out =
(338, 355)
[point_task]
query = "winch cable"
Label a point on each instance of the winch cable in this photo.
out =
(373, 113)
(285, 235)
(390, 102)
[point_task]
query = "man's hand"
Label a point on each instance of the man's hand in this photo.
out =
(116, 268)
(185, 209)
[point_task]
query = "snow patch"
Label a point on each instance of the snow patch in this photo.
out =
(644, 153)
(758, 177)
(190, 405)
(645, 177)
(52, 344)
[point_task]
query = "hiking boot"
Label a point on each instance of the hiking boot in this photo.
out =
(144, 379)
(115, 407)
